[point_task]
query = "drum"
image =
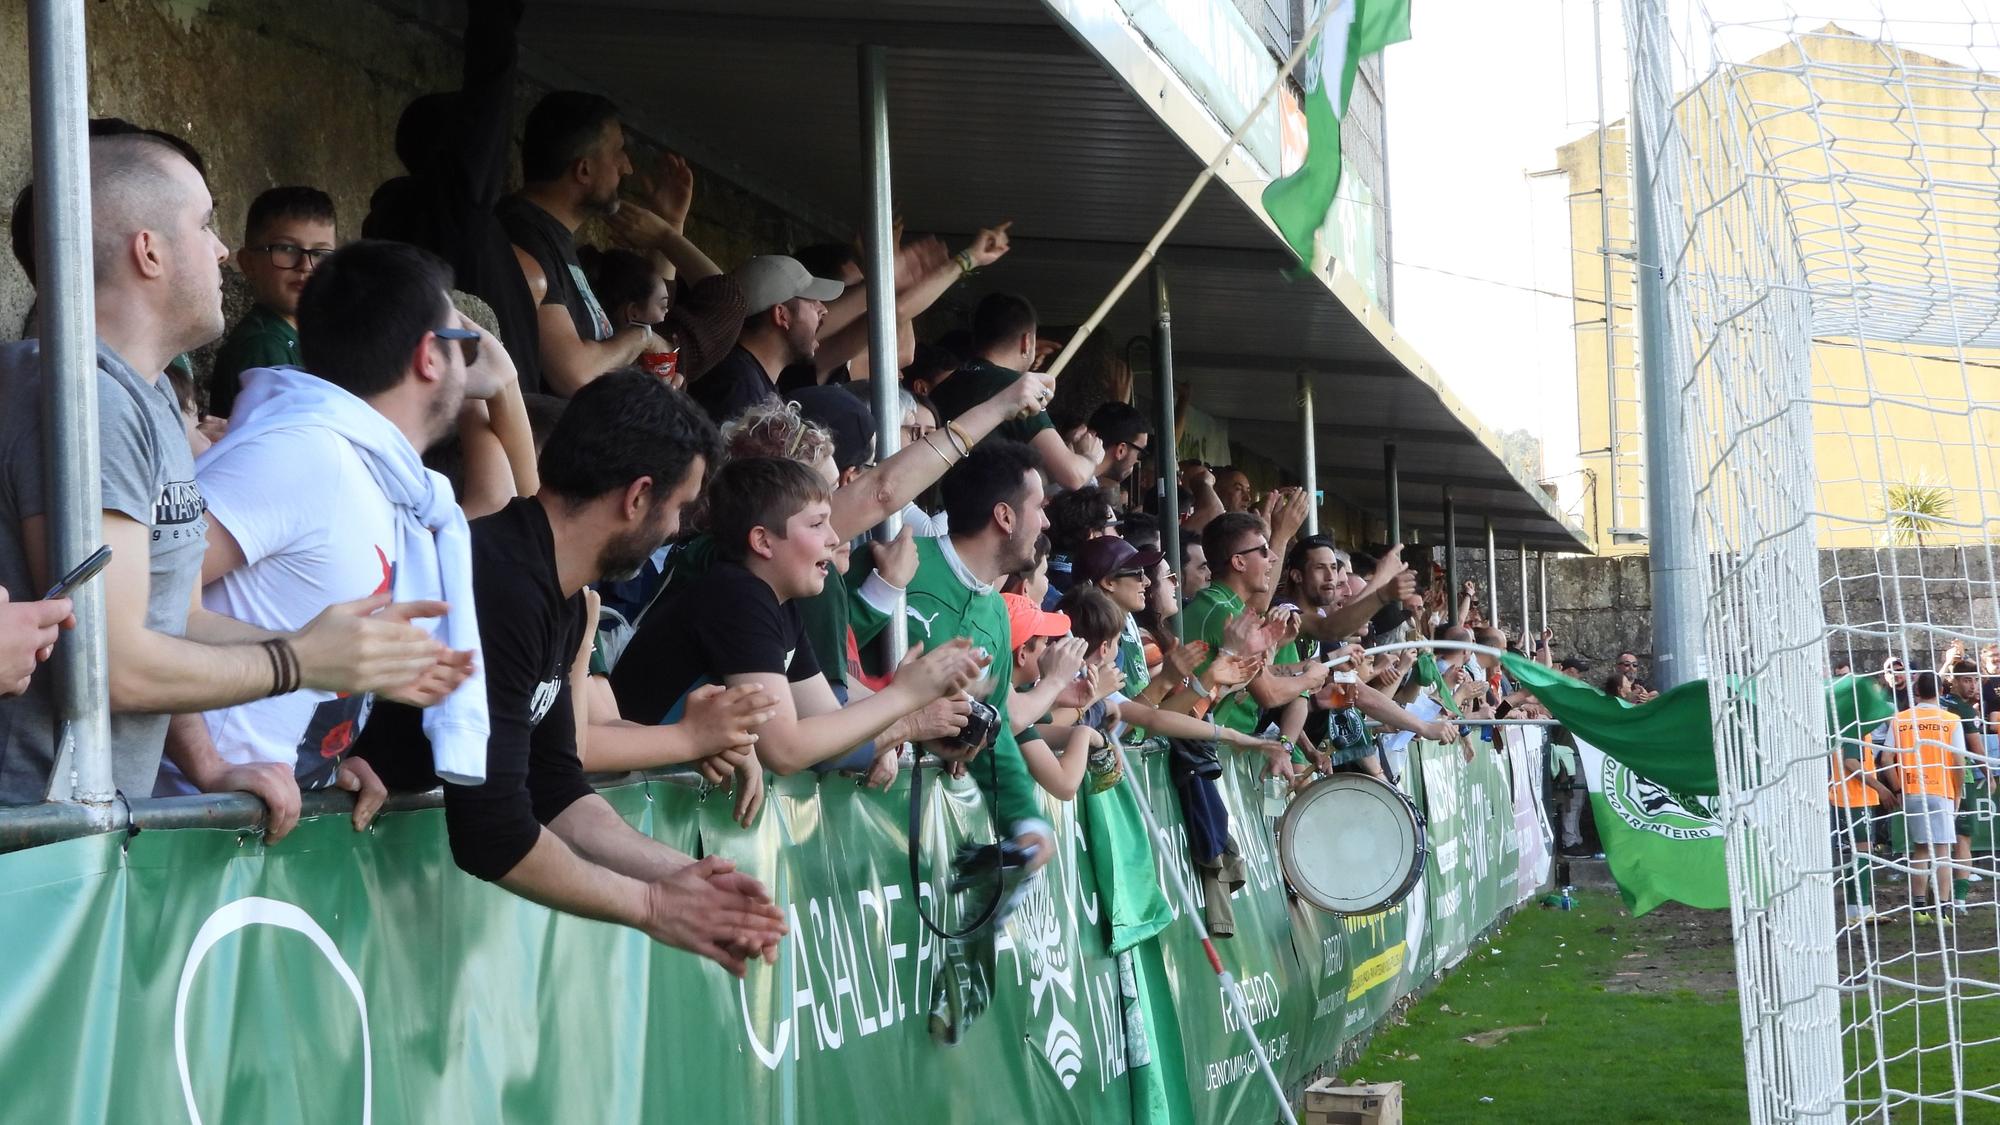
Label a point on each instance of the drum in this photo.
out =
(1351, 844)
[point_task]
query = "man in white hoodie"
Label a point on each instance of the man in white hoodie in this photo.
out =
(318, 494)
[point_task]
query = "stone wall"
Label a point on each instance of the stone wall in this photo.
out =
(286, 93)
(1908, 600)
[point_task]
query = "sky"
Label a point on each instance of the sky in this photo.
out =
(1479, 100)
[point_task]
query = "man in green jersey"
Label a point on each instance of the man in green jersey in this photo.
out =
(993, 501)
(1238, 545)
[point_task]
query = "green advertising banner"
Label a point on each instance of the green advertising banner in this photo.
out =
(198, 976)
(1474, 857)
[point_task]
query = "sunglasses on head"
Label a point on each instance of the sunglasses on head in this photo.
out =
(468, 341)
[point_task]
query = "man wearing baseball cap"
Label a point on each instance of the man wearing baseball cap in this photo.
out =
(783, 306)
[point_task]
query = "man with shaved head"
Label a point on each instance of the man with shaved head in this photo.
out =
(157, 268)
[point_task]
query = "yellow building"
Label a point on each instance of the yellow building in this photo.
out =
(1883, 166)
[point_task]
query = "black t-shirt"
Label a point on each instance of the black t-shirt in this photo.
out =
(976, 382)
(528, 636)
(1989, 696)
(725, 623)
(553, 247)
(733, 386)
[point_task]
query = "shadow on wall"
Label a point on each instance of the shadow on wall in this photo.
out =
(297, 94)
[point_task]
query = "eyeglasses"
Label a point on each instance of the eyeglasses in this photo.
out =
(1115, 575)
(468, 341)
(286, 256)
(1263, 549)
(915, 433)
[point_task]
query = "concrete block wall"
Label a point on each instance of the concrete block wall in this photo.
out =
(290, 92)
(1905, 600)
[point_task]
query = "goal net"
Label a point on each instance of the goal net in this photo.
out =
(1827, 194)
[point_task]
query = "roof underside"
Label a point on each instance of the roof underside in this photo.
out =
(998, 111)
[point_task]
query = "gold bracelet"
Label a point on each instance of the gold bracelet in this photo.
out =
(934, 449)
(965, 442)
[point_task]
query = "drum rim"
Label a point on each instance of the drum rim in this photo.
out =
(1420, 857)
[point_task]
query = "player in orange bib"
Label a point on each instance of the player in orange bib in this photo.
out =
(1929, 746)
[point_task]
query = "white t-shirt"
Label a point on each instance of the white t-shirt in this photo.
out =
(315, 530)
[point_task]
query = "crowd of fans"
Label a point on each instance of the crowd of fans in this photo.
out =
(650, 544)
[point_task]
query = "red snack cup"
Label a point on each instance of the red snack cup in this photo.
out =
(664, 365)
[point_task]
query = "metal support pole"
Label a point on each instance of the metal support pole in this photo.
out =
(1393, 480)
(1542, 564)
(1163, 434)
(1525, 618)
(1607, 521)
(1308, 452)
(1451, 557)
(1672, 563)
(58, 95)
(1492, 574)
(1541, 559)
(884, 382)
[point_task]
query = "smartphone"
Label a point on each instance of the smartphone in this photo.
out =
(83, 572)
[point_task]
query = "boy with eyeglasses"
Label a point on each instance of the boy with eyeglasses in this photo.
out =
(288, 233)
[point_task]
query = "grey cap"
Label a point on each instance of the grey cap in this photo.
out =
(773, 279)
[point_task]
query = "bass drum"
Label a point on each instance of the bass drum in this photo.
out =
(1350, 844)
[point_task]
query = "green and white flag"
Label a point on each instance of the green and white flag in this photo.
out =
(1661, 845)
(1298, 203)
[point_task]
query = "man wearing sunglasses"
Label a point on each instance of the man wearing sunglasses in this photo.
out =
(288, 233)
(318, 495)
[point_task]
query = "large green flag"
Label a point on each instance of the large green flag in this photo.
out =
(1298, 203)
(1667, 740)
(1661, 844)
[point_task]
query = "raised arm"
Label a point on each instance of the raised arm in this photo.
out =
(568, 360)
(886, 488)
(1066, 466)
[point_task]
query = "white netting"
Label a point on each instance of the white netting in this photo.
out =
(1828, 196)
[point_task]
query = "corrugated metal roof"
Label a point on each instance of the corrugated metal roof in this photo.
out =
(996, 111)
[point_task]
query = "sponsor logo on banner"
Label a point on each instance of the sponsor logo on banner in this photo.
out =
(242, 914)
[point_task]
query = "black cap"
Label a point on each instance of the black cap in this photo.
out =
(845, 416)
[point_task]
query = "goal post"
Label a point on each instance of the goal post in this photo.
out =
(1825, 200)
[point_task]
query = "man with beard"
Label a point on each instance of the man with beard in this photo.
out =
(318, 493)
(1238, 545)
(993, 499)
(784, 306)
(627, 455)
(572, 161)
(1124, 432)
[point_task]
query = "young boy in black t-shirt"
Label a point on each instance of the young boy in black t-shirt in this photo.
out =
(739, 624)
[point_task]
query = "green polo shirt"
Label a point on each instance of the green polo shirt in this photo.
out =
(261, 339)
(828, 617)
(946, 601)
(1206, 616)
(1969, 712)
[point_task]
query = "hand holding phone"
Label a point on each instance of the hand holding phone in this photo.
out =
(83, 572)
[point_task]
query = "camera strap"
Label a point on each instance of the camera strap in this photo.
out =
(916, 844)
